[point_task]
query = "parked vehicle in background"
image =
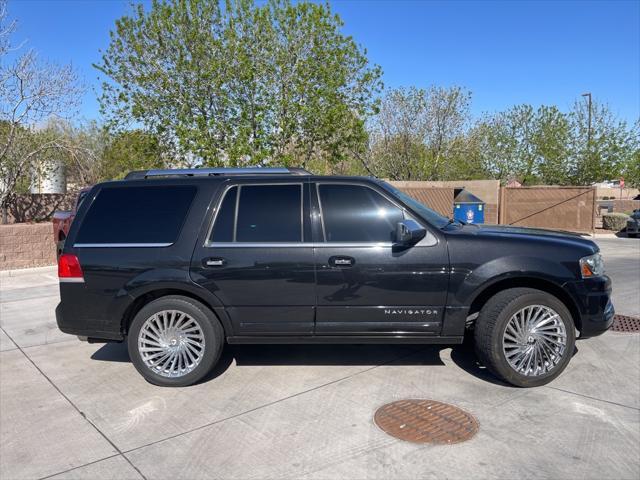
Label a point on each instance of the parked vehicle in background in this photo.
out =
(179, 262)
(62, 221)
(633, 224)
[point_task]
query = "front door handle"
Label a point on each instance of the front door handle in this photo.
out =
(342, 261)
(214, 262)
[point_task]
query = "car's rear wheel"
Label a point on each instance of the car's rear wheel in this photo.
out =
(175, 341)
(525, 336)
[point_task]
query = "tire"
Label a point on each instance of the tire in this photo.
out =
(632, 235)
(549, 359)
(197, 326)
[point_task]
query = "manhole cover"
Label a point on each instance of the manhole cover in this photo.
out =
(426, 421)
(625, 323)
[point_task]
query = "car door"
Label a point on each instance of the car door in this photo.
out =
(258, 258)
(366, 285)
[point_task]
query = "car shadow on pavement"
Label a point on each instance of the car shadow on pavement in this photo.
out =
(463, 356)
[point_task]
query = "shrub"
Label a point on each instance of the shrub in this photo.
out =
(614, 221)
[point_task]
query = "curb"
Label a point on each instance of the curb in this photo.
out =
(28, 271)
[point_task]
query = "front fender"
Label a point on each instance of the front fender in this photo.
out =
(467, 284)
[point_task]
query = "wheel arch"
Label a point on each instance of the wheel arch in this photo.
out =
(140, 301)
(484, 294)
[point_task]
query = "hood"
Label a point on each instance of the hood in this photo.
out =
(539, 234)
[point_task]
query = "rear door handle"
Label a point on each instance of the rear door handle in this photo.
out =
(342, 261)
(214, 262)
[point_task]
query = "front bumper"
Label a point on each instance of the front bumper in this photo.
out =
(593, 300)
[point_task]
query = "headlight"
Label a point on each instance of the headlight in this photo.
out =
(592, 266)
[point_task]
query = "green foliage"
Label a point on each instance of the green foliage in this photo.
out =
(131, 150)
(419, 134)
(241, 84)
(552, 147)
(614, 221)
(631, 169)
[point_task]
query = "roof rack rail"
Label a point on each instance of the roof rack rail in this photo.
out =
(191, 172)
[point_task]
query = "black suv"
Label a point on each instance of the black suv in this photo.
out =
(176, 262)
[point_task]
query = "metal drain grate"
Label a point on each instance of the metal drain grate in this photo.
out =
(625, 323)
(426, 421)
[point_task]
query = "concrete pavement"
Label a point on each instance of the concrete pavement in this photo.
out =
(74, 410)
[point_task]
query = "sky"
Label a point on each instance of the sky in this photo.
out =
(505, 52)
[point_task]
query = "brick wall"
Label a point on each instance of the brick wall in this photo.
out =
(625, 206)
(26, 245)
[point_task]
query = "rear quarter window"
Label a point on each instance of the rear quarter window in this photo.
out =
(147, 214)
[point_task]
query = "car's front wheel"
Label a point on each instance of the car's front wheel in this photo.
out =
(175, 341)
(525, 336)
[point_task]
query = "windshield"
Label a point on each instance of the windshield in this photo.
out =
(425, 212)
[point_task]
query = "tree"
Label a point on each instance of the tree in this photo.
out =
(418, 134)
(607, 151)
(523, 143)
(398, 133)
(631, 171)
(240, 84)
(31, 91)
(131, 150)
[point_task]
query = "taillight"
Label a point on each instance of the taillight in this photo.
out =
(69, 269)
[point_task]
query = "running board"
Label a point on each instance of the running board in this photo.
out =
(352, 339)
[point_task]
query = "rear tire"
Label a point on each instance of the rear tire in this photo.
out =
(525, 336)
(175, 341)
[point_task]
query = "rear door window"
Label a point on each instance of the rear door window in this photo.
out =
(269, 213)
(265, 214)
(225, 218)
(136, 215)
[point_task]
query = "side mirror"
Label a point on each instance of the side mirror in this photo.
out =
(409, 232)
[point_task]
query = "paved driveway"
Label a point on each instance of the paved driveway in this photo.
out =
(73, 410)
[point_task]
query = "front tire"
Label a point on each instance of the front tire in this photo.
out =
(525, 336)
(175, 341)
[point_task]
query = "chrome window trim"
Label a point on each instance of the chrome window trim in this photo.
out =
(298, 245)
(429, 241)
(122, 245)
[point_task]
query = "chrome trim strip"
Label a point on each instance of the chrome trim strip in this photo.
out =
(218, 171)
(295, 245)
(71, 280)
(121, 245)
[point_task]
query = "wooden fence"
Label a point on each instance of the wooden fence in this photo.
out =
(560, 208)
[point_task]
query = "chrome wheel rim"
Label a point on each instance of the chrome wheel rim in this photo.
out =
(534, 340)
(171, 343)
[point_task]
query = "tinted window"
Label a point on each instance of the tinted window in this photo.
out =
(149, 214)
(353, 213)
(269, 213)
(223, 228)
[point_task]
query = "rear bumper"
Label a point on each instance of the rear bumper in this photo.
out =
(67, 325)
(593, 299)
